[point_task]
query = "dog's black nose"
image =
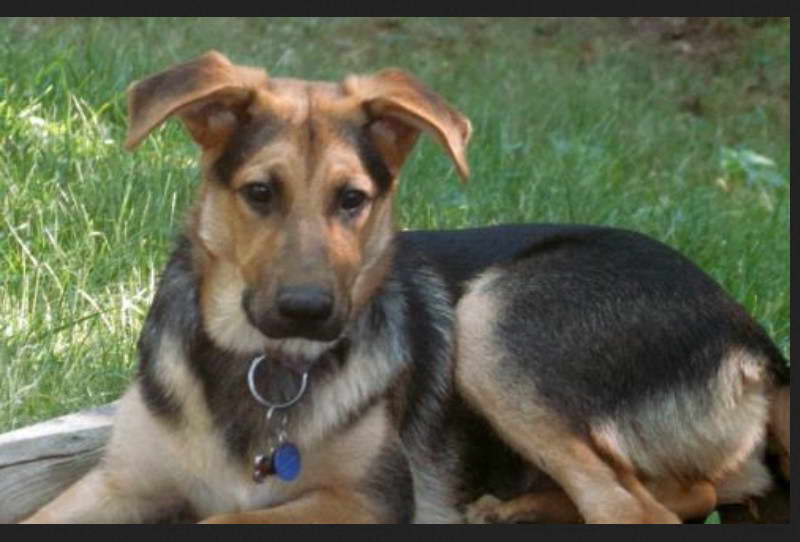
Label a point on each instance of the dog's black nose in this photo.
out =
(305, 302)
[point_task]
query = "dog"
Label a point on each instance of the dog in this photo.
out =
(303, 362)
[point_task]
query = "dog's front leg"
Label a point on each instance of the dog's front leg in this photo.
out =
(318, 506)
(99, 497)
(134, 481)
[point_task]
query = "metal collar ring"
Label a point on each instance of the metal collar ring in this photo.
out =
(270, 405)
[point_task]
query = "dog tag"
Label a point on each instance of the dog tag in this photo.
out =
(262, 467)
(286, 462)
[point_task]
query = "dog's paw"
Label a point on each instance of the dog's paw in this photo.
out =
(487, 509)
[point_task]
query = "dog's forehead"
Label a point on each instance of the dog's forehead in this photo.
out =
(296, 120)
(293, 86)
(296, 101)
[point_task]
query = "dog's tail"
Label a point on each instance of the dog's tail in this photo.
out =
(778, 426)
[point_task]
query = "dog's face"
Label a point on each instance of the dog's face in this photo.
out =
(293, 224)
(299, 202)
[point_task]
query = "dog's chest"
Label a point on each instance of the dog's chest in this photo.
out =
(216, 427)
(214, 485)
(207, 464)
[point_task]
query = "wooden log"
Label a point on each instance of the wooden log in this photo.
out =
(40, 461)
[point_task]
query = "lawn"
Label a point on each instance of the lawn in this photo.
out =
(676, 128)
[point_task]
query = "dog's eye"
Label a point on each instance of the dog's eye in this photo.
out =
(258, 194)
(351, 199)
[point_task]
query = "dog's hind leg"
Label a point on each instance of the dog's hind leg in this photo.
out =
(539, 434)
(600, 493)
(694, 501)
(549, 506)
(555, 506)
(598, 488)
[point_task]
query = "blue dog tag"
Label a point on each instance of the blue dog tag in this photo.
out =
(286, 462)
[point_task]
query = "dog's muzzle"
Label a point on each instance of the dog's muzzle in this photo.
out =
(298, 312)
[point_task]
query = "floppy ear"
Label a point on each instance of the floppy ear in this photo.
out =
(399, 107)
(209, 94)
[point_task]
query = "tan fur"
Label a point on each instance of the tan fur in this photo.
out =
(394, 95)
(555, 506)
(325, 506)
(750, 478)
(734, 418)
(186, 91)
(551, 506)
(686, 500)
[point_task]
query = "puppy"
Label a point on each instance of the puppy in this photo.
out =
(302, 362)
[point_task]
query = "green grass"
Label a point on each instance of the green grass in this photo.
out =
(575, 121)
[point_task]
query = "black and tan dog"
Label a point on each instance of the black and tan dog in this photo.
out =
(302, 362)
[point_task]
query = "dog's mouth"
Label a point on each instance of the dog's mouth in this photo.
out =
(295, 343)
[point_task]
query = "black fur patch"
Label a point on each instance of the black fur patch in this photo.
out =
(487, 464)
(429, 329)
(460, 255)
(158, 399)
(175, 289)
(251, 135)
(601, 320)
(370, 156)
(389, 483)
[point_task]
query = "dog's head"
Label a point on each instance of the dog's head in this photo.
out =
(293, 222)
